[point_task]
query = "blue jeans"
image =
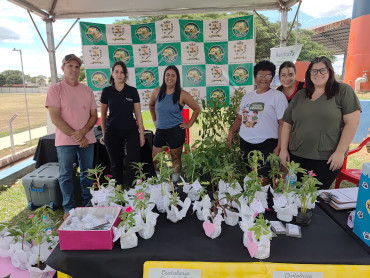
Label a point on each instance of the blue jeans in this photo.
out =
(66, 155)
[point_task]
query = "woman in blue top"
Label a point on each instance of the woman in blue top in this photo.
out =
(165, 105)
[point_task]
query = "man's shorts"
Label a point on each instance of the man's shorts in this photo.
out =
(173, 137)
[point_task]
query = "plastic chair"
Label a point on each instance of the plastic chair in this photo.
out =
(351, 175)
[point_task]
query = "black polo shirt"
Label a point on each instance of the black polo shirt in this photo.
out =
(121, 106)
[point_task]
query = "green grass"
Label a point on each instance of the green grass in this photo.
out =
(13, 205)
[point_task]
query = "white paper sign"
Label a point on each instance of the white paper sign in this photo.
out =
(295, 274)
(100, 196)
(256, 206)
(280, 202)
(174, 273)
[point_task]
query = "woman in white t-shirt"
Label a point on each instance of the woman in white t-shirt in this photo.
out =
(259, 119)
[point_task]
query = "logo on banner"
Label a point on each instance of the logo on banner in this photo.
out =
(240, 48)
(193, 51)
(218, 96)
(194, 76)
(216, 73)
(145, 52)
(99, 79)
(240, 75)
(169, 54)
(96, 54)
(192, 30)
(94, 33)
(194, 92)
(143, 33)
(240, 28)
(216, 53)
(146, 96)
(147, 78)
(215, 28)
(167, 29)
(118, 31)
(121, 54)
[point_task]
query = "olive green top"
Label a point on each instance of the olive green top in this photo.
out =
(317, 124)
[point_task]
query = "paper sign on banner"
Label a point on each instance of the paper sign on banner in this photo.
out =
(280, 202)
(174, 273)
(251, 245)
(256, 206)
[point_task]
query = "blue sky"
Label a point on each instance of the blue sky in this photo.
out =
(17, 31)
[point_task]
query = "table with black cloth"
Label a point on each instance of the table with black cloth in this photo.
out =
(323, 242)
(47, 152)
(340, 217)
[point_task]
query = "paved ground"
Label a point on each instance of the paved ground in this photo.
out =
(22, 137)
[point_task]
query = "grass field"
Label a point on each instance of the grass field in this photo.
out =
(15, 103)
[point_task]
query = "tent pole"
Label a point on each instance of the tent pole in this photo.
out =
(51, 50)
(284, 26)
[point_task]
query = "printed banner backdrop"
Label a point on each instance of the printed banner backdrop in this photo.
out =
(214, 57)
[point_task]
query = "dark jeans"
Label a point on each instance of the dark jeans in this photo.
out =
(115, 141)
(320, 168)
(266, 147)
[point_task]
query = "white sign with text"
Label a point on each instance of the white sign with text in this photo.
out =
(174, 273)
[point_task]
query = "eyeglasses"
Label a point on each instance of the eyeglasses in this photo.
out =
(267, 76)
(322, 71)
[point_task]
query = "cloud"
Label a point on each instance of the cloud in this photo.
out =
(327, 8)
(7, 34)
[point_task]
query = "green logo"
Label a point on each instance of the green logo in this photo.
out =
(169, 54)
(194, 76)
(240, 28)
(99, 79)
(143, 33)
(240, 75)
(216, 53)
(218, 96)
(147, 78)
(121, 54)
(192, 30)
(94, 33)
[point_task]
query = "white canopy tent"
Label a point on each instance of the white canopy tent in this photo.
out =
(51, 10)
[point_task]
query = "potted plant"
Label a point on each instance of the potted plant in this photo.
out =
(173, 204)
(146, 218)
(275, 173)
(307, 195)
(260, 235)
(286, 190)
(100, 196)
(213, 218)
(231, 212)
(42, 228)
(128, 229)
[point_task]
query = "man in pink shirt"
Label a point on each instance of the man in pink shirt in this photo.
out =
(73, 111)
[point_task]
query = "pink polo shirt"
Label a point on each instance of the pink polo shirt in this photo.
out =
(75, 103)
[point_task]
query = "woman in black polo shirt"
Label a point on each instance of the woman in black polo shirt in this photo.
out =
(287, 76)
(120, 126)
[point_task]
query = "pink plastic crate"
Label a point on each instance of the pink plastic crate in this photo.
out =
(89, 240)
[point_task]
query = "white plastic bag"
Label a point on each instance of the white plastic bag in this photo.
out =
(231, 217)
(213, 230)
(148, 227)
(174, 214)
(129, 238)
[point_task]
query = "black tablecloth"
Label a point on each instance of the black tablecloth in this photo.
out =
(323, 242)
(340, 217)
(47, 152)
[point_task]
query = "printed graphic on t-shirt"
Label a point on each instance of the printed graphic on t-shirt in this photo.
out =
(250, 113)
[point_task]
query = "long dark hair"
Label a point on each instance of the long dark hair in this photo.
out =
(163, 88)
(124, 69)
(331, 87)
(287, 64)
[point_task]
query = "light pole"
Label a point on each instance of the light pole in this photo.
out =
(25, 95)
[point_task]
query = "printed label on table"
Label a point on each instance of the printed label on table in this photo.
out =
(297, 274)
(174, 273)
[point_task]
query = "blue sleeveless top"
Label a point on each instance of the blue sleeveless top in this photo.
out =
(168, 114)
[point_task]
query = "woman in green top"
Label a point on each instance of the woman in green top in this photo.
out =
(320, 123)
